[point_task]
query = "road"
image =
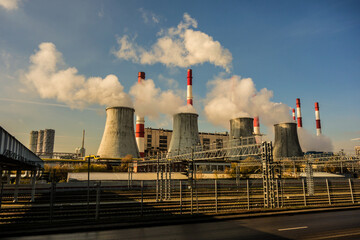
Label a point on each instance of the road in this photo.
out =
(325, 225)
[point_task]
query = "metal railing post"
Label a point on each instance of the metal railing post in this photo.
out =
(98, 188)
(216, 197)
(351, 191)
(33, 181)
(248, 193)
(142, 196)
(277, 192)
(17, 182)
(52, 199)
(303, 185)
(157, 179)
(328, 190)
(180, 197)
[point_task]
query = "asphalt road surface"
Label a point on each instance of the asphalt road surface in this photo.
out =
(325, 225)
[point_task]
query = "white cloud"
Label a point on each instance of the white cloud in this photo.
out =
(66, 85)
(10, 4)
(149, 16)
(179, 46)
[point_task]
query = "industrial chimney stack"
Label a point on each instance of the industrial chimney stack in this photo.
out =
(189, 87)
(256, 126)
(140, 125)
(293, 114)
(298, 109)
(317, 119)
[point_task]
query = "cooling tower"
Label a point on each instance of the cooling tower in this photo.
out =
(40, 141)
(241, 127)
(48, 141)
(185, 133)
(33, 140)
(119, 138)
(286, 141)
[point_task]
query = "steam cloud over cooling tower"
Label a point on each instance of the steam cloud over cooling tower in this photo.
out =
(237, 97)
(119, 138)
(185, 133)
(286, 141)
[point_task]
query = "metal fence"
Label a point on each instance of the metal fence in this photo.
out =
(121, 201)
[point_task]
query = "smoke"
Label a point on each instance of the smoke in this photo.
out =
(48, 76)
(10, 4)
(151, 101)
(179, 46)
(237, 97)
(311, 142)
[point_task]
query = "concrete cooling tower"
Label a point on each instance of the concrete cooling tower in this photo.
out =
(185, 133)
(48, 141)
(40, 142)
(119, 138)
(33, 140)
(286, 141)
(241, 127)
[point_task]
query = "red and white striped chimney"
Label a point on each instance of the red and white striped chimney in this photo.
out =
(317, 118)
(256, 125)
(293, 114)
(189, 87)
(140, 125)
(298, 110)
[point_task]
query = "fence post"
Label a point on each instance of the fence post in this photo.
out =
(17, 182)
(98, 188)
(351, 191)
(277, 193)
(180, 197)
(248, 193)
(157, 178)
(303, 185)
(52, 199)
(216, 197)
(328, 190)
(142, 196)
(191, 192)
(33, 181)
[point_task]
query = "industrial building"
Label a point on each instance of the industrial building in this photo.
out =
(158, 140)
(42, 142)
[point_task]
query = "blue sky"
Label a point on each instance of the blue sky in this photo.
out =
(297, 49)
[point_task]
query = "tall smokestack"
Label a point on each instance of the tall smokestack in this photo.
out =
(286, 141)
(140, 125)
(119, 138)
(189, 87)
(256, 126)
(298, 110)
(317, 119)
(293, 114)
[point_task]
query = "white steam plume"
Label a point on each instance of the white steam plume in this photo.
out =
(179, 46)
(67, 86)
(10, 4)
(151, 101)
(236, 97)
(311, 142)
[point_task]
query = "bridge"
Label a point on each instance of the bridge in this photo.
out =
(14, 156)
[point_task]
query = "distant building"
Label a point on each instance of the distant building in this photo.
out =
(158, 140)
(357, 150)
